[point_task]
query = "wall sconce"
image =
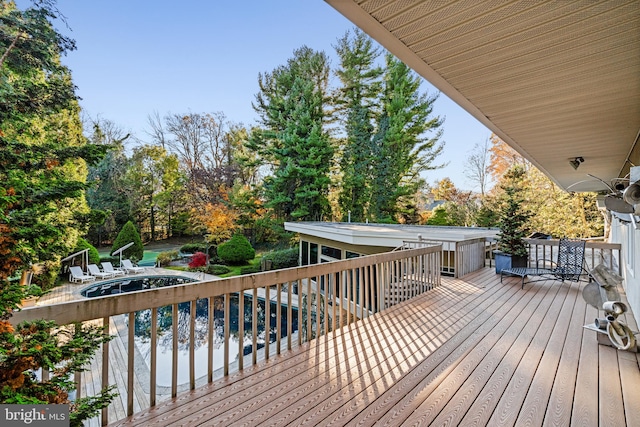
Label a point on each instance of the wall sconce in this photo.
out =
(575, 163)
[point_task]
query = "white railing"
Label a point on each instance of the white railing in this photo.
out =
(458, 257)
(595, 253)
(307, 302)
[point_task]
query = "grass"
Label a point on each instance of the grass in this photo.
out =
(235, 269)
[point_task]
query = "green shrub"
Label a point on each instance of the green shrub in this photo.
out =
(192, 248)
(281, 259)
(164, 258)
(94, 256)
(129, 234)
(250, 269)
(218, 269)
(236, 251)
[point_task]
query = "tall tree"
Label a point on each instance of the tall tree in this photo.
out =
(152, 177)
(403, 145)
(479, 167)
(44, 155)
(204, 146)
(292, 107)
(43, 159)
(356, 106)
(108, 193)
(503, 158)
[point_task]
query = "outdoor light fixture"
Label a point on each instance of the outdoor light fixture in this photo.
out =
(575, 163)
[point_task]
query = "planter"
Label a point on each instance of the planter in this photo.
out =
(28, 302)
(506, 261)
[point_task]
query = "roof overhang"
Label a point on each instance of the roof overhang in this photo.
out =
(386, 235)
(555, 80)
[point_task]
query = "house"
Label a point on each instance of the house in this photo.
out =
(558, 81)
(331, 241)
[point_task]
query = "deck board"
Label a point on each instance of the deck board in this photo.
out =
(471, 352)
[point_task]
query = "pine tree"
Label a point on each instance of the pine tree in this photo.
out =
(402, 147)
(293, 142)
(513, 217)
(355, 105)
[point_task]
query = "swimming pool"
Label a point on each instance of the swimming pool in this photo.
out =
(130, 284)
(201, 343)
(266, 327)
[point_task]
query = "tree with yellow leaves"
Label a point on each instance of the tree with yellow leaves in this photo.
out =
(216, 221)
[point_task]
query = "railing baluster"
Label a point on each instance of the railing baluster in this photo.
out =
(267, 321)
(348, 276)
(227, 333)
(241, 330)
(210, 326)
(334, 299)
(192, 345)
(153, 368)
(278, 317)
(130, 362)
(254, 326)
(174, 347)
(289, 315)
(325, 297)
(105, 369)
(308, 325)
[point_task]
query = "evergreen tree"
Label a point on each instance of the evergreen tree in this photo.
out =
(293, 142)
(43, 159)
(127, 235)
(355, 104)
(402, 147)
(107, 193)
(514, 217)
(43, 155)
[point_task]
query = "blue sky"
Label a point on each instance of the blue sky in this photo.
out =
(136, 57)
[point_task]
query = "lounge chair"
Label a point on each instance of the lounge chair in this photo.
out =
(130, 268)
(569, 265)
(95, 271)
(108, 268)
(77, 275)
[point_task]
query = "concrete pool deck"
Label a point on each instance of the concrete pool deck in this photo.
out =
(71, 291)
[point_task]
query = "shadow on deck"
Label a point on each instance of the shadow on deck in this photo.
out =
(470, 352)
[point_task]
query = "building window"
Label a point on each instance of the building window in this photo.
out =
(330, 252)
(305, 252)
(313, 253)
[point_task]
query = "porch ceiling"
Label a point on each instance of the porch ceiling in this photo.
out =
(555, 80)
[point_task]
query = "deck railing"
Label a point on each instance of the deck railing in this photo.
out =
(458, 257)
(318, 299)
(595, 253)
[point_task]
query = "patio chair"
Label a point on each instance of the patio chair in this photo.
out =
(108, 268)
(77, 275)
(95, 271)
(568, 266)
(130, 268)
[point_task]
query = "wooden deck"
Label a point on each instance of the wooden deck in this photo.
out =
(471, 352)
